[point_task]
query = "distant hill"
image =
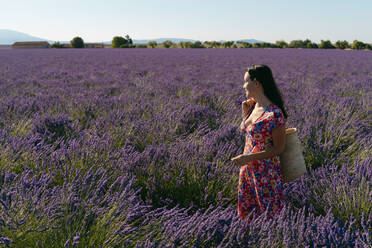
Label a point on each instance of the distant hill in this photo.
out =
(8, 37)
(250, 41)
(178, 40)
(161, 40)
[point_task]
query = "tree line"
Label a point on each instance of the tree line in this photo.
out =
(127, 42)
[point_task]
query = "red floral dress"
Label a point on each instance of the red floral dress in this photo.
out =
(260, 181)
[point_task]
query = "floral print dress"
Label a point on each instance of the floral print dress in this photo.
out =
(260, 181)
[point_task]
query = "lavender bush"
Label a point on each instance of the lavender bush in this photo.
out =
(132, 148)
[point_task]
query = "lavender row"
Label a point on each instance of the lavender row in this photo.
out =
(167, 121)
(94, 209)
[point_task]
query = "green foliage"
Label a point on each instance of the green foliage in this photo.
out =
(358, 45)
(152, 44)
(228, 44)
(342, 44)
(297, 44)
(186, 44)
(186, 186)
(140, 46)
(77, 42)
(344, 199)
(281, 44)
(85, 115)
(56, 45)
(117, 41)
(122, 42)
(197, 44)
(128, 39)
(307, 43)
(312, 45)
(127, 46)
(168, 44)
(326, 44)
(257, 45)
(18, 160)
(266, 44)
(212, 44)
(21, 127)
(30, 228)
(126, 42)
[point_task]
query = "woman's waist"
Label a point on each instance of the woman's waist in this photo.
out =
(252, 150)
(258, 146)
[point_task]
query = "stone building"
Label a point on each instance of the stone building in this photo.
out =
(31, 44)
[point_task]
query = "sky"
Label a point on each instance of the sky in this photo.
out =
(269, 20)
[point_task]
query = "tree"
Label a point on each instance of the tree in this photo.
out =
(296, 44)
(128, 39)
(206, 44)
(266, 44)
(140, 46)
(358, 45)
(56, 45)
(152, 44)
(212, 44)
(185, 44)
(342, 44)
(168, 44)
(77, 42)
(127, 45)
(312, 45)
(257, 45)
(119, 41)
(228, 44)
(197, 44)
(326, 44)
(281, 44)
(306, 43)
(243, 44)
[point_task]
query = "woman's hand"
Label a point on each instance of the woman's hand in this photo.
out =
(241, 159)
(246, 106)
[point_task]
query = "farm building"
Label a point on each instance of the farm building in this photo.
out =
(31, 44)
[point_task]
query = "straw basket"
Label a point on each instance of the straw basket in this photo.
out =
(292, 162)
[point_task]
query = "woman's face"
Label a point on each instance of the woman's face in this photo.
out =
(249, 86)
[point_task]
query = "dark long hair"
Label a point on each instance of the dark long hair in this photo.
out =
(264, 75)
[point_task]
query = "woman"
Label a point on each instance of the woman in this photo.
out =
(260, 179)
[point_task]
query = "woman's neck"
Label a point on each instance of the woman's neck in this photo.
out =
(261, 102)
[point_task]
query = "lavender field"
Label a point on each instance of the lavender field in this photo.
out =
(132, 148)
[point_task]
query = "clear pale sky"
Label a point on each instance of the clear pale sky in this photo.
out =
(268, 20)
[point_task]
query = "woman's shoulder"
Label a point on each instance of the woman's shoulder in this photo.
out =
(275, 108)
(275, 111)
